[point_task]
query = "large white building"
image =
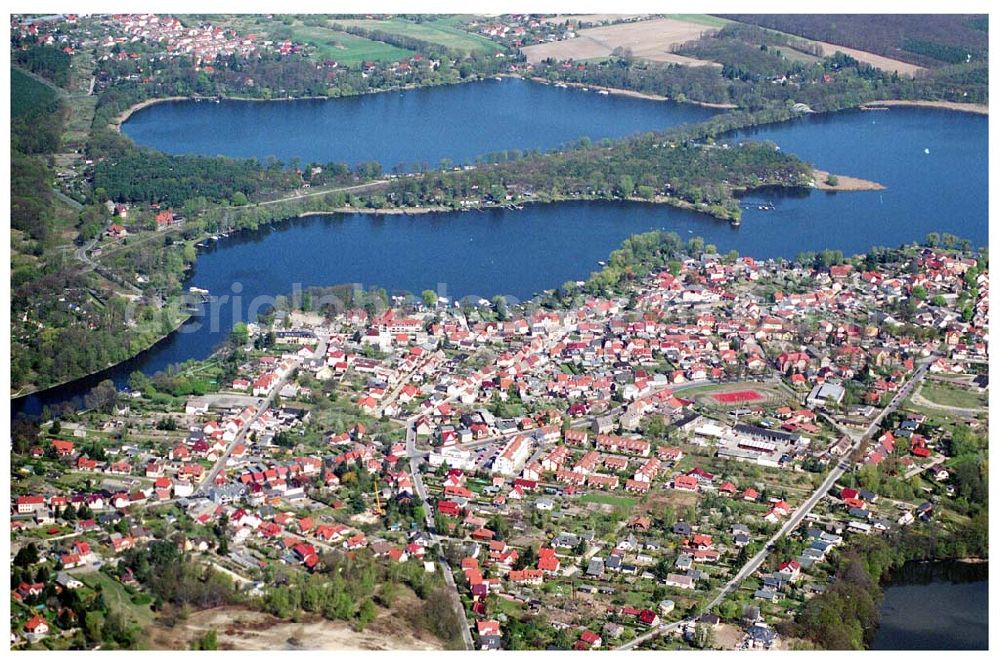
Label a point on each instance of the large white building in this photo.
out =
(513, 456)
(453, 456)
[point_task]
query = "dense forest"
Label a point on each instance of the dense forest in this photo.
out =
(948, 38)
(46, 61)
(127, 172)
(30, 195)
(649, 166)
(36, 115)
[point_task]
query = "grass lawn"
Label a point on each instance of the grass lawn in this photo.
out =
(947, 395)
(439, 31)
(118, 598)
(477, 485)
(941, 418)
(608, 500)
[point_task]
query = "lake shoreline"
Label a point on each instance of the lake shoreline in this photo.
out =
(124, 116)
(853, 184)
(845, 183)
(151, 345)
(635, 94)
(979, 109)
(33, 402)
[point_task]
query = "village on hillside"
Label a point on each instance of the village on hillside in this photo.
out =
(675, 464)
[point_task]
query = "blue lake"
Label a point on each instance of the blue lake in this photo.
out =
(941, 605)
(933, 163)
(456, 122)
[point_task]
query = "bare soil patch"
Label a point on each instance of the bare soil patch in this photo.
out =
(982, 109)
(241, 629)
(875, 60)
(727, 636)
(845, 183)
(651, 40)
(677, 499)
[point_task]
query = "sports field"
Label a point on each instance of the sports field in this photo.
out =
(738, 396)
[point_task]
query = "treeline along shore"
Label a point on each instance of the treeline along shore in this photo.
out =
(685, 166)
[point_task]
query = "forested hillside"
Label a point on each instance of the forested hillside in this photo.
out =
(947, 39)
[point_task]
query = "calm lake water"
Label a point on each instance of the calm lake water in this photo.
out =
(934, 164)
(944, 611)
(456, 122)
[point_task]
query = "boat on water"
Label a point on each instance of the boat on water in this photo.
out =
(601, 263)
(735, 223)
(603, 92)
(498, 78)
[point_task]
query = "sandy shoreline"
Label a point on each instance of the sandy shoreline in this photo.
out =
(634, 93)
(981, 109)
(845, 183)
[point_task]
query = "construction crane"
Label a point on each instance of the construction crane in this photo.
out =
(378, 500)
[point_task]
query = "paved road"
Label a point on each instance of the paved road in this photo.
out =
(375, 184)
(418, 485)
(843, 465)
(920, 468)
(220, 464)
(73, 203)
(82, 256)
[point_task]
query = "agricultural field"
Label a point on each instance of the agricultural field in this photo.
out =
(873, 59)
(326, 44)
(704, 19)
(650, 40)
(345, 48)
(441, 31)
